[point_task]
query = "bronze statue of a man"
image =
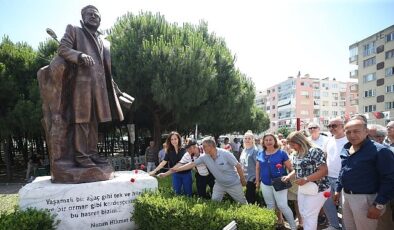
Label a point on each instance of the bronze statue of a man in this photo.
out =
(78, 92)
(94, 95)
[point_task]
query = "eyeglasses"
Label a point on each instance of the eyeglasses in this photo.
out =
(333, 126)
(312, 128)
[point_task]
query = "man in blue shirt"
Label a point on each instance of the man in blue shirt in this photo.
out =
(366, 179)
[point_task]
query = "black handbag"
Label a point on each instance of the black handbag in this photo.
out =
(280, 185)
(277, 182)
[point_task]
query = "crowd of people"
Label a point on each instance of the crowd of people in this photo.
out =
(353, 169)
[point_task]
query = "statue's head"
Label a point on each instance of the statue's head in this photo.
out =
(91, 16)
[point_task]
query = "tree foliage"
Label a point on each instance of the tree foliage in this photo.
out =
(182, 76)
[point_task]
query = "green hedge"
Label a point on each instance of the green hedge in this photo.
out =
(27, 220)
(164, 210)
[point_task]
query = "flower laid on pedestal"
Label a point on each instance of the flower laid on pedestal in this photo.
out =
(132, 180)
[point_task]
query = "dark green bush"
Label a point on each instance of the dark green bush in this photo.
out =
(163, 210)
(29, 219)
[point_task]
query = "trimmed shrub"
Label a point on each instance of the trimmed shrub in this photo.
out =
(27, 219)
(163, 210)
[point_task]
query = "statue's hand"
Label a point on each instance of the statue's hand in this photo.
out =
(86, 60)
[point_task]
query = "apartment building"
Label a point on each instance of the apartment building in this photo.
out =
(307, 98)
(374, 60)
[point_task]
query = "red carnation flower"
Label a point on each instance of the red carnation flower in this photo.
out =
(132, 180)
(136, 171)
(142, 167)
(278, 166)
(327, 194)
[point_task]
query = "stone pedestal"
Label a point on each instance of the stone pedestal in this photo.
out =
(96, 205)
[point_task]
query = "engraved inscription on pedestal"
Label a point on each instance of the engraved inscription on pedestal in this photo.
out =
(97, 205)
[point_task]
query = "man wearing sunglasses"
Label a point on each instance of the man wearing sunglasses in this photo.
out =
(318, 139)
(333, 149)
(389, 140)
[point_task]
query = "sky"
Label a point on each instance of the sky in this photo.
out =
(271, 40)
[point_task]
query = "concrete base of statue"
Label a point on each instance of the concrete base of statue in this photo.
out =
(96, 205)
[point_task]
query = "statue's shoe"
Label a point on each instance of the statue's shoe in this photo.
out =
(98, 160)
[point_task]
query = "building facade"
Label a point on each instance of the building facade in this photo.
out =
(374, 70)
(310, 99)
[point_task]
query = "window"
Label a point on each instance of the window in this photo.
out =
(304, 102)
(380, 65)
(370, 93)
(325, 94)
(380, 49)
(325, 113)
(303, 83)
(369, 108)
(305, 93)
(390, 54)
(335, 104)
(389, 71)
(369, 49)
(334, 113)
(380, 82)
(369, 77)
(304, 112)
(389, 105)
(353, 53)
(380, 99)
(342, 103)
(273, 106)
(369, 62)
(390, 89)
(390, 37)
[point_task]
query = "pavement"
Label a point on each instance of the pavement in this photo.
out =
(10, 188)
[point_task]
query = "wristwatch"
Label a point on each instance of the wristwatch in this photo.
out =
(378, 206)
(305, 178)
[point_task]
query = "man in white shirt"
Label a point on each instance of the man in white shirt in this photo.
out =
(333, 149)
(318, 139)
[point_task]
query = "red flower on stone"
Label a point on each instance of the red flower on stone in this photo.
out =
(136, 171)
(278, 166)
(142, 167)
(132, 180)
(327, 194)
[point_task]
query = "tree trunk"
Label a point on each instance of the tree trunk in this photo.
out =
(7, 158)
(156, 133)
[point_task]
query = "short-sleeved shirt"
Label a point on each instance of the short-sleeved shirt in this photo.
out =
(201, 168)
(173, 158)
(307, 165)
(248, 162)
(222, 168)
(268, 169)
(320, 142)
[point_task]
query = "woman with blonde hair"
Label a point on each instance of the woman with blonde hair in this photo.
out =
(271, 164)
(310, 172)
(247, 160)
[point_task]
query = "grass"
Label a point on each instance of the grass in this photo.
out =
(8, 202)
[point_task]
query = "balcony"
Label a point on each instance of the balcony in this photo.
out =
(354, 102)
(353, 74)
(353, 59)
(354, 88)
